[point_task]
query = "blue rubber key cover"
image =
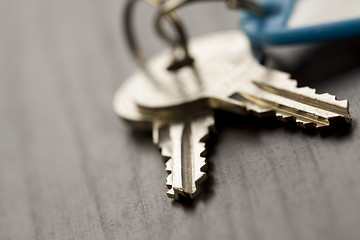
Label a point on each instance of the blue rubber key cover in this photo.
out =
(272, 27)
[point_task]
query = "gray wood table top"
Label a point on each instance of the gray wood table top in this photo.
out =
(69, 169)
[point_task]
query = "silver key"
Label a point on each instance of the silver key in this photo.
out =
(226, 76)
(182, 142)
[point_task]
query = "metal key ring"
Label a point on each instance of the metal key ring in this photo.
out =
(171, 5)
(136, 51)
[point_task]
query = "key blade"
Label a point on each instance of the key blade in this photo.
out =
(183, 145)
(280, 95)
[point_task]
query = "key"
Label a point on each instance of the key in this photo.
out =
(226, 76)
(181, 140)
(182, 143)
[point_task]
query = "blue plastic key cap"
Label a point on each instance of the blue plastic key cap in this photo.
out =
(298, 21)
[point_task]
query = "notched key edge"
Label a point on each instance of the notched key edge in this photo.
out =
(195, 156)
(303, 95)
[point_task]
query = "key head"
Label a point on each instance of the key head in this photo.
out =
(219, 58)
(125, 106)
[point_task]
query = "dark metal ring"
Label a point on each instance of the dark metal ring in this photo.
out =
(136, 51)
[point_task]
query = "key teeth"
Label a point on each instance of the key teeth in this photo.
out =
(338, 119)
(160, 137)
(344, 103)
(341, 118)
(288, 88)
(203, 166)
(285, 118)
(169, 180)
(310, 125)
(174, 193)
(203, 153)
(171, 194)
(165, 152)
(324, 96)
(312, 91)
(300, 123)
(200, 180)
(168, 165)
(306, 125)
(259, 113)
(210, 130)
(257, 110)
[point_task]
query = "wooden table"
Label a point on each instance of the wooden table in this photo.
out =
(69, 169)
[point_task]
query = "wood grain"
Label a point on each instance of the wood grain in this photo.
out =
(69, 169)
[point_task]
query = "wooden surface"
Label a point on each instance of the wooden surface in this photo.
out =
(69, 169)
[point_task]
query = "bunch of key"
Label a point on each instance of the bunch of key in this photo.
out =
(179, 105)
